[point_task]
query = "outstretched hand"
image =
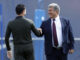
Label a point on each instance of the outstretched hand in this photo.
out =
(40, 30)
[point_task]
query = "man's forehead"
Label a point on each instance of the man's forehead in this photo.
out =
(50, 8)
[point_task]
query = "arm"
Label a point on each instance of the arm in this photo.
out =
(7, 35)
(35, 30)
(71, 37)
(42, 27)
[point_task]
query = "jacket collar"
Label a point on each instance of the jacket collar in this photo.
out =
(19, 17)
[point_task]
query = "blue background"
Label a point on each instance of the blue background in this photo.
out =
(70, 9)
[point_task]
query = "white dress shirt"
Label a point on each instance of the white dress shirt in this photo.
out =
(58, 31)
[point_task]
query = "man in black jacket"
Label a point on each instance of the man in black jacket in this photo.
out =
(21, 28)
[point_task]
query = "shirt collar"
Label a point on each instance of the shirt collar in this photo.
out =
(57, 18)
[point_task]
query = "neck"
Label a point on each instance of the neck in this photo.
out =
(54, 16)
(21, 15)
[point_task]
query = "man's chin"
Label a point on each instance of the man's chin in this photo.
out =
(51, 17)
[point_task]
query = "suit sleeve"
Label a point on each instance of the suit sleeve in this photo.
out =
(7, 35)
(42, 27)
(34, 29)
(71, 37)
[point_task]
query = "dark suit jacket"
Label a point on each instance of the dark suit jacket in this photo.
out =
(20, 28)
(68, 40)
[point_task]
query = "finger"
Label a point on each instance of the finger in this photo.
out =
(9, 55)
(41, 31)
(69, 51)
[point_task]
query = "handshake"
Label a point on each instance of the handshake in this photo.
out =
(39, 29)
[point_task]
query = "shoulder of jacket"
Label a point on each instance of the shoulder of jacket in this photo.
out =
(10, 21)
(28, 20)
(45, 21)
(66, 20)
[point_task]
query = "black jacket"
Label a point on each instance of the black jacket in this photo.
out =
(21, 31)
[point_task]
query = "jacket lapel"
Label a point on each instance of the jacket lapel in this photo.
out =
(62, 24)
(49, 26)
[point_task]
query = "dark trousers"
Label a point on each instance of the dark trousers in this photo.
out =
(23, 52)
(57, 55)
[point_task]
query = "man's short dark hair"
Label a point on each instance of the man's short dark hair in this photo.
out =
(20, 8)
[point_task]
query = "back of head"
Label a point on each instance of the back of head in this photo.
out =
(20, 9)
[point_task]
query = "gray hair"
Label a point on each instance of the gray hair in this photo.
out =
(55, 6)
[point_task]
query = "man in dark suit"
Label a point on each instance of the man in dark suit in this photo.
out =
(58, 35)
(21, 28)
